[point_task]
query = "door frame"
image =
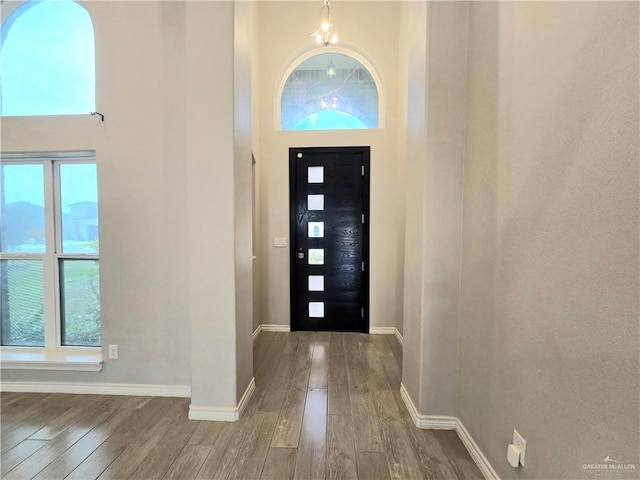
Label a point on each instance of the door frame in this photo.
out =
(366, 178)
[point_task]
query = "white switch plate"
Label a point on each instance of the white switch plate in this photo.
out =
(519, 442)
(113, 352)
(280, 242)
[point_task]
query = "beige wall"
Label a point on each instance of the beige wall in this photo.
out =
(549, 311)
(284, 29)
(168, 190)
(436, 86)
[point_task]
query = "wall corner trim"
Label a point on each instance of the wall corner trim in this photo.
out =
(440, 422)
(134, 389)
(270, 327)
(387, 331)
(221, 414)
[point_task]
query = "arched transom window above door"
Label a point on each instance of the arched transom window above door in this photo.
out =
(330, 91)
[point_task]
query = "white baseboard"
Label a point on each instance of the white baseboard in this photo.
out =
(221, 414)
(439, 422)
(428, 422)
(268, 327)
(134, 389)
(475, 452)
(387, 331)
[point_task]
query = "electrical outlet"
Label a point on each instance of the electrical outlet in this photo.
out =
(113, 352)
(521, 444)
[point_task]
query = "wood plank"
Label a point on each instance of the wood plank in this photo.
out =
(368, 435)
(223, 454)
(310, 460)
(341, 453)
(261, 345)
(252, 455)
(392, 371)
(17, 454)
(395, 347)
(188, 462)
(324, 337)
(276, 388)
(206, 433)
(372, 368)
(54, 448)
(291, 345)
(336, 344)
(97, 462)
(338, 391)
(466, 469)
(144, 444)
(143, 418)
(280, 464)
(451, 444)
(73, 415)
(289, 424)
(356, 375)
(382, 347)
(163, 455)
(74, 456)
(373, 466)
(351, 344)
(319, 365)
(401, 458)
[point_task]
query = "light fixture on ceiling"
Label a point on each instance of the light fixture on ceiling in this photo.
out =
(331, 70)
(324, 35)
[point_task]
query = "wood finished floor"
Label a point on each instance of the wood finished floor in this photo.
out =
(326, 406)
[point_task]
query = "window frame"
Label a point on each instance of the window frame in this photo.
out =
(53, 355)
(349, 52)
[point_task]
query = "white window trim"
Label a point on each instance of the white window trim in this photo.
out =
(349, 52)
(54, 355)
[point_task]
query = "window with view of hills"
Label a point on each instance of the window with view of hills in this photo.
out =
(49, 252)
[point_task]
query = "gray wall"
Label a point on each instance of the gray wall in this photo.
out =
(436, 83)
(549, 306)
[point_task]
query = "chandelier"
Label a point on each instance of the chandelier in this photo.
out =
(324, 35)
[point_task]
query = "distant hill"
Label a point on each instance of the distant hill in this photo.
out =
(22, 223)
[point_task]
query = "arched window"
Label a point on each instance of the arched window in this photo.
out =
(47, 61)
(329, 91)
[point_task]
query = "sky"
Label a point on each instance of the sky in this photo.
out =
(47, 61)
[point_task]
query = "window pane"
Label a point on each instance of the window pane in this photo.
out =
(316, 309)
(315, 202)
(22, 208)
(329, 91)
(316, 283)
(316, 256)
(80, 302)
(316, 229)
(22, 302)
(79, 202)
(48, 60)
(315, 174)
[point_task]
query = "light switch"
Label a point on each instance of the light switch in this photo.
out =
(280, 242)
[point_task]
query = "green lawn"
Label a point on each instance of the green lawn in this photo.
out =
(23, 307)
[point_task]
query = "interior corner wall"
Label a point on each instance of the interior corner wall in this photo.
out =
(243, 190)
(435, 148)
(213, 177)
(142, 186)
(549, 306)
(255, 144)
(284, 29)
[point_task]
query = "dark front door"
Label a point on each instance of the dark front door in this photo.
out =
(329, 204)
